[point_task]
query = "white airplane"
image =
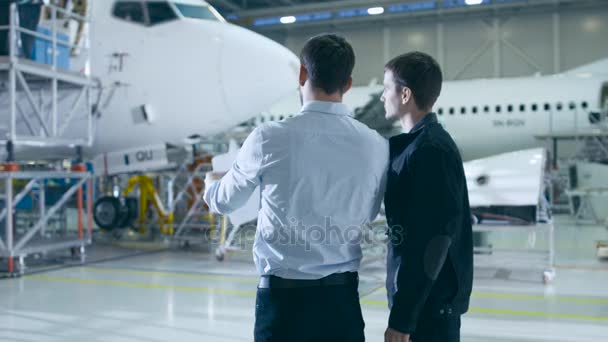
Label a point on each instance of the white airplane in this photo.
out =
(171, 70)
(497, 124)
(493, 116)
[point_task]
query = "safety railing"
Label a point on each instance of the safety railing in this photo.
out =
(46, 97)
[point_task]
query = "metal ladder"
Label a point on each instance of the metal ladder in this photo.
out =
(197, 218)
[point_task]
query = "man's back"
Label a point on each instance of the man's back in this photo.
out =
(322, 182)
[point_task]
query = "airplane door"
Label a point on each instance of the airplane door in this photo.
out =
(120, 55)
(120, 46)
(117, 36)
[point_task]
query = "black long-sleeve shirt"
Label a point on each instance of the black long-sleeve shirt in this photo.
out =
(430, 248)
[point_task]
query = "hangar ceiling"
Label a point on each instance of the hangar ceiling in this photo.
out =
(266, 15)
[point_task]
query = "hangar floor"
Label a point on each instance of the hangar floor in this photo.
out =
(189, 296)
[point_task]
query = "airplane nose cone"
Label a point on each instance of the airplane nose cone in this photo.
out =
(254, 65)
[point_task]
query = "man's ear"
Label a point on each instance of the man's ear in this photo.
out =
(303, 75)
(406, 95)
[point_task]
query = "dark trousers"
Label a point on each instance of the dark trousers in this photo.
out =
(437, 329)
(313, 314)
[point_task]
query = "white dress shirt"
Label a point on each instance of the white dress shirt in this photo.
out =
(322, 176)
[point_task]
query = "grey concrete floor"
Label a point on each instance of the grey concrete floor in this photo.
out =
(189, 296)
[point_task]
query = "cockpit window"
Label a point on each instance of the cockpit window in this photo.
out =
(131, 11)
(204, 12)
(160, 12)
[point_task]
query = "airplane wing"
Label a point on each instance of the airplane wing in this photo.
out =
(507, 187)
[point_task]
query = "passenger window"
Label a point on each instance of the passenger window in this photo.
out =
(486, 109)
(547, 106)
(510, 108)
(584, 105)
(498, 108)
(572, 106)
(559, 106)
(474, 110)
(440, 111)
(160, 12)
(463, 110)
(522, 108)
(452, 111)
(534, 107)
(131, 11)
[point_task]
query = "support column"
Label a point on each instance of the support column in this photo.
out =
(54, 82)
(79, 198)
(557, 43)
(440, 46)
(9, 167)
(12, 71)
(497, 47)
(386, 44)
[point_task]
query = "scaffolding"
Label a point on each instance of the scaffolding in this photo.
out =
(36, 212)
(45, 103)
(193, 221)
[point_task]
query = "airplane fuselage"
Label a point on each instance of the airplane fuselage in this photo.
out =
(493, 116)
(488, 117)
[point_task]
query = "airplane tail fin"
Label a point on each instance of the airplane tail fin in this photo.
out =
(599, 67)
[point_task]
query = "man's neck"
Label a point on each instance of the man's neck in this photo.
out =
(410, 120)
(309, 95)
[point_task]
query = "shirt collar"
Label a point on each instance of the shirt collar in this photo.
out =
(427, 119)
(336, 108)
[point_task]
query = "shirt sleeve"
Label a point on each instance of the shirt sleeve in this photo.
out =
(379, 195)
(235, 188)
(426, 234)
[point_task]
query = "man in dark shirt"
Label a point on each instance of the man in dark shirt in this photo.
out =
(430, 249)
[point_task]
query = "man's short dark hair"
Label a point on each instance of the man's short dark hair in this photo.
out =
(419, 72)
(329, 61)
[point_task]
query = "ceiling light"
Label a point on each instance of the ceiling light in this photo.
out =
(473, 2)
(375, 10)
(288, 20)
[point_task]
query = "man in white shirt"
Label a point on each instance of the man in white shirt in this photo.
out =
(321, 176)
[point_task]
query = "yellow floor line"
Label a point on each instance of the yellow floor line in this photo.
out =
(511, 312)
(509, 296)
(512, 296)
(599, 268)
(173, 274)
(252, 294)
(539, 314)
(540, 297)
(142, 285)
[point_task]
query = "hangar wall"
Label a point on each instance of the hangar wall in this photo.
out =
(474, 47)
